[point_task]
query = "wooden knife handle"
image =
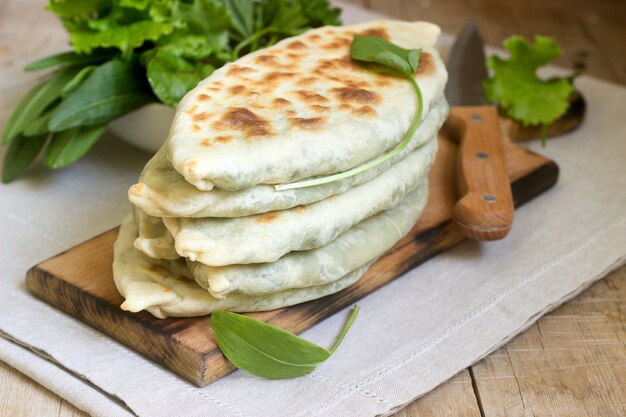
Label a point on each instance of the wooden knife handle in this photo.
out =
(485, 209)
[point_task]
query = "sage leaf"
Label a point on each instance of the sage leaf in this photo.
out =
(22, 151)
(267, 351)
(242, 15)
(375, 49)
(111, 90)
(70, 59)
(39, 126)
(68, 146)
(35, 102)
(77, 80)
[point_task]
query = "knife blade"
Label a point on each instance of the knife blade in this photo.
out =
(485, 209)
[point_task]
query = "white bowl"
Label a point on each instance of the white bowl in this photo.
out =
(146, 128)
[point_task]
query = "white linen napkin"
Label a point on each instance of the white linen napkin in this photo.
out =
(411, 335)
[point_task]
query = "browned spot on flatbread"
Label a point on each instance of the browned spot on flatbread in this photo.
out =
(238, 118)
(192, 110)
(214, 89)
(345, 106)
(380, 32)
(281, 102)
(364, 111)
(236, 90)
(190, 165)
(204, 97)
(267, 217)
(314, 38)
(426, 65)
(301, 208)
(355, 95)
(206, 143)
(268, 60)
(308, 81)
(318, 108)
(310, 96)
(201, 117)
(223, 139)
(312, 123)
(337, 43)
(196, 127)
(237, 70)
(291, 113)
(383, 83)
(297, 45)
(273, 77)
(339, 64)
(351, 83)
(137, 188)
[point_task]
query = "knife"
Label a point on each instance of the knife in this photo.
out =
(485, 208)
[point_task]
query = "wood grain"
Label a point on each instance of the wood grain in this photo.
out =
(80, 280)
(572, 362)
(456, 398)
(592, 34)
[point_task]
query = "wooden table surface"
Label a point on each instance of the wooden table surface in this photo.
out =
(572, 362)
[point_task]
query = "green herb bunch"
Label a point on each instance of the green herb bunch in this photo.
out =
(128, 53)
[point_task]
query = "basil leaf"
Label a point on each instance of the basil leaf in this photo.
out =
(111, 90)
(22, 151)
(268, 351)
(77, 80)
(40, 125)
(35, 102)
(68, 146)
(375, 49)
(70, 59)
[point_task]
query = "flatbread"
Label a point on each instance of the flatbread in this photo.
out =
(153, 238)
(300, 108)
(267, 237)
(163, 192)
(163, 289)
(358, 246)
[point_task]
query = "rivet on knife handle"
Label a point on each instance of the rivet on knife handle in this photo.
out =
(485, 209)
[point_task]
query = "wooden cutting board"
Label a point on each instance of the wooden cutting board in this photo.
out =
(79, 280)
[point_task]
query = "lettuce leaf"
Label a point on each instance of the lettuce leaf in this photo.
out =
(517, 88)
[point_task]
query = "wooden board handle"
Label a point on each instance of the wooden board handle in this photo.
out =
(485, 209)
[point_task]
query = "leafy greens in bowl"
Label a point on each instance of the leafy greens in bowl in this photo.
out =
(129, 53)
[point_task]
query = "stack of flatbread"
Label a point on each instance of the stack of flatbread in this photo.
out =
(210, 231)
